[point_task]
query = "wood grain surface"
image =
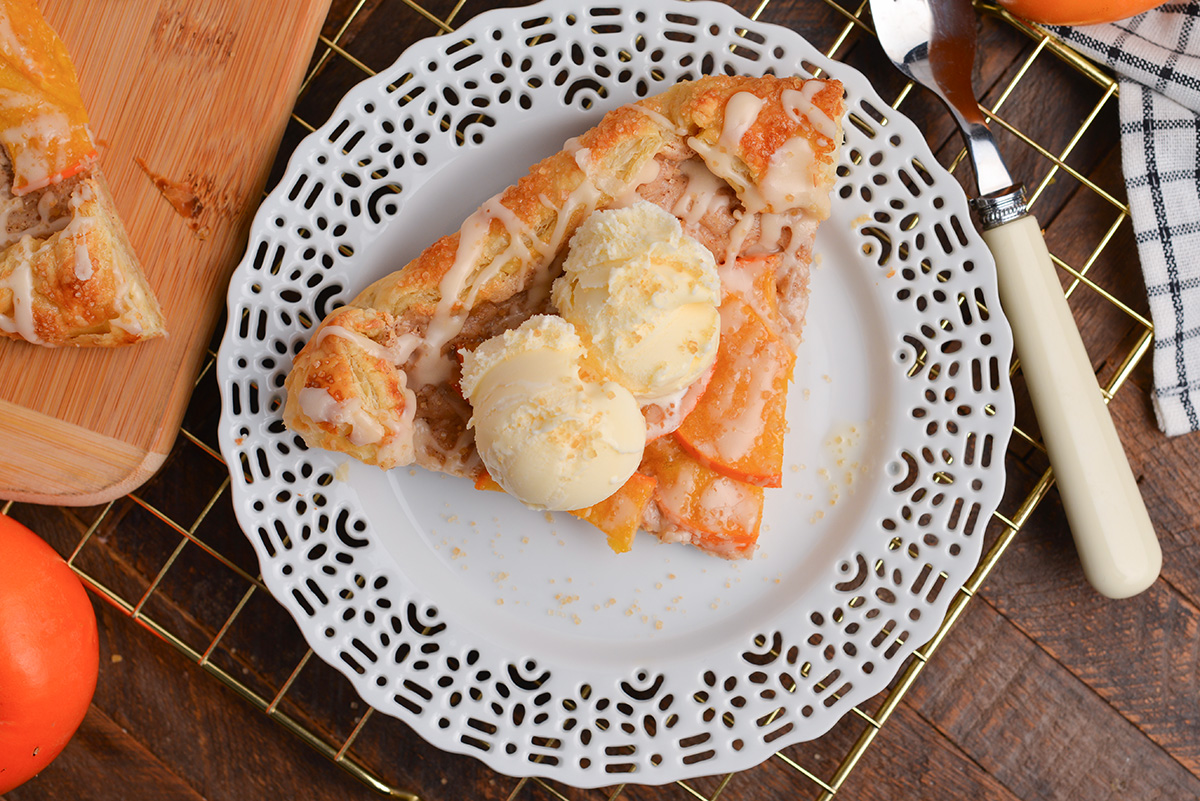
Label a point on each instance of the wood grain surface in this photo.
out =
(1043, 691)
(197, 93)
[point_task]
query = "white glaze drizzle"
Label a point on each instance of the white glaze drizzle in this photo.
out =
(396, 354)
(320, 406)
(647, 174)
(83, 259)
(10, 42)
(33, 160)
(741, 112)
(701, 194)
(20, 283)
(662, 121)
(77, 229)
(799, 104)
(738, 433)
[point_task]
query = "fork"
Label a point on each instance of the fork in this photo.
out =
(933, 43)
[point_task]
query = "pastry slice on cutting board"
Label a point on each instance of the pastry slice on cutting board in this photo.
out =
(68, 273)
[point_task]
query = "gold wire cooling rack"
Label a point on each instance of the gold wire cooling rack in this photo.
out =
(196, 460)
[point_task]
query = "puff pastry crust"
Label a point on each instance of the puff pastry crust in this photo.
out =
(68, 273)
(378, 378)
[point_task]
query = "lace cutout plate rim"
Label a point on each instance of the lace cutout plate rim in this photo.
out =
(516, 637)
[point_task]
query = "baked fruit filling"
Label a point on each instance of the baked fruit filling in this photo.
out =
(614, 335)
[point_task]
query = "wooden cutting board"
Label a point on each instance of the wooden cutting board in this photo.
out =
(196, 93)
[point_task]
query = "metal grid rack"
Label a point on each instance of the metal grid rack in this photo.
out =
(205, 531)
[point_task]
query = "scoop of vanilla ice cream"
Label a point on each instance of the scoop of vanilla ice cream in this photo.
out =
(643, 296)
(548, 437)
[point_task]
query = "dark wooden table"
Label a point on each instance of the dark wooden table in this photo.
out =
(1042, 690)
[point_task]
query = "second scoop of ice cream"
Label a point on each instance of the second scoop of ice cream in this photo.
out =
(643, 296)
(548, 437)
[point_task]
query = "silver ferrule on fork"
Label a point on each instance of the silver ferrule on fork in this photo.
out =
(1001, 207)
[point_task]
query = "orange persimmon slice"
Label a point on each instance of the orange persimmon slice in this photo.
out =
(620, 515)
(722, 514)
(737, 427)
(43, 123)
(753, 280)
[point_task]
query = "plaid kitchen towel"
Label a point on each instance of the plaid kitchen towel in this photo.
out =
(1156, 56)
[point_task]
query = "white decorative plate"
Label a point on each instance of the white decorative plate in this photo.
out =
(517, 636)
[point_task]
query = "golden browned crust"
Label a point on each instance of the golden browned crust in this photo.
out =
(772, 127)
(604, 164)
(73, 279)
(343, 370)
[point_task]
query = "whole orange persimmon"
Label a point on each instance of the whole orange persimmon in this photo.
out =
(1077, 12)
(49, 653)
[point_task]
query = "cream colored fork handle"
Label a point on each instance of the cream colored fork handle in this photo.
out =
(1112, 530)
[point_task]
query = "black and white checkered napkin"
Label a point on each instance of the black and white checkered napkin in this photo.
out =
(1157, 58)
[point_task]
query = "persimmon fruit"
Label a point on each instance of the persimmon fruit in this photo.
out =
(1077, 12)
(49, 653)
